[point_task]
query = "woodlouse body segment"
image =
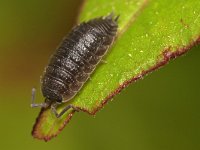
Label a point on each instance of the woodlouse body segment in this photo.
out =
(76, 58)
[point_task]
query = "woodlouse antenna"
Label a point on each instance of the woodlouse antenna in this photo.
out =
(43, 105)
(33, 94)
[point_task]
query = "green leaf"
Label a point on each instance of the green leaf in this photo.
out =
(150, 34)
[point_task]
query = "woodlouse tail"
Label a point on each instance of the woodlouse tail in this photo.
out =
(116, 18)
(111, 15)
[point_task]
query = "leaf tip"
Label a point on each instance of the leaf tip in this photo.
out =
(37, 131)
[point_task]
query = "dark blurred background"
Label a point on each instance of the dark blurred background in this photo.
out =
(160, 112)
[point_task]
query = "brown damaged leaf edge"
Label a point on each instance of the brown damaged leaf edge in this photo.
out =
(167, 56)
(37, 125)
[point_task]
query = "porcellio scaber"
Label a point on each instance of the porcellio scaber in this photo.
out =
(74, 60)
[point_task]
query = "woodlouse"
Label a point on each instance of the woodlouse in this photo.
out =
(74, 61)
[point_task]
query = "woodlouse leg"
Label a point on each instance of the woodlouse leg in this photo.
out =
(58, 115)
(104, 61)
(89, 78)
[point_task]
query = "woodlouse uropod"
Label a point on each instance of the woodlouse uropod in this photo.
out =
(74, 61)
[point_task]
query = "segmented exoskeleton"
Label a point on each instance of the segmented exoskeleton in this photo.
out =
(75, 59)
